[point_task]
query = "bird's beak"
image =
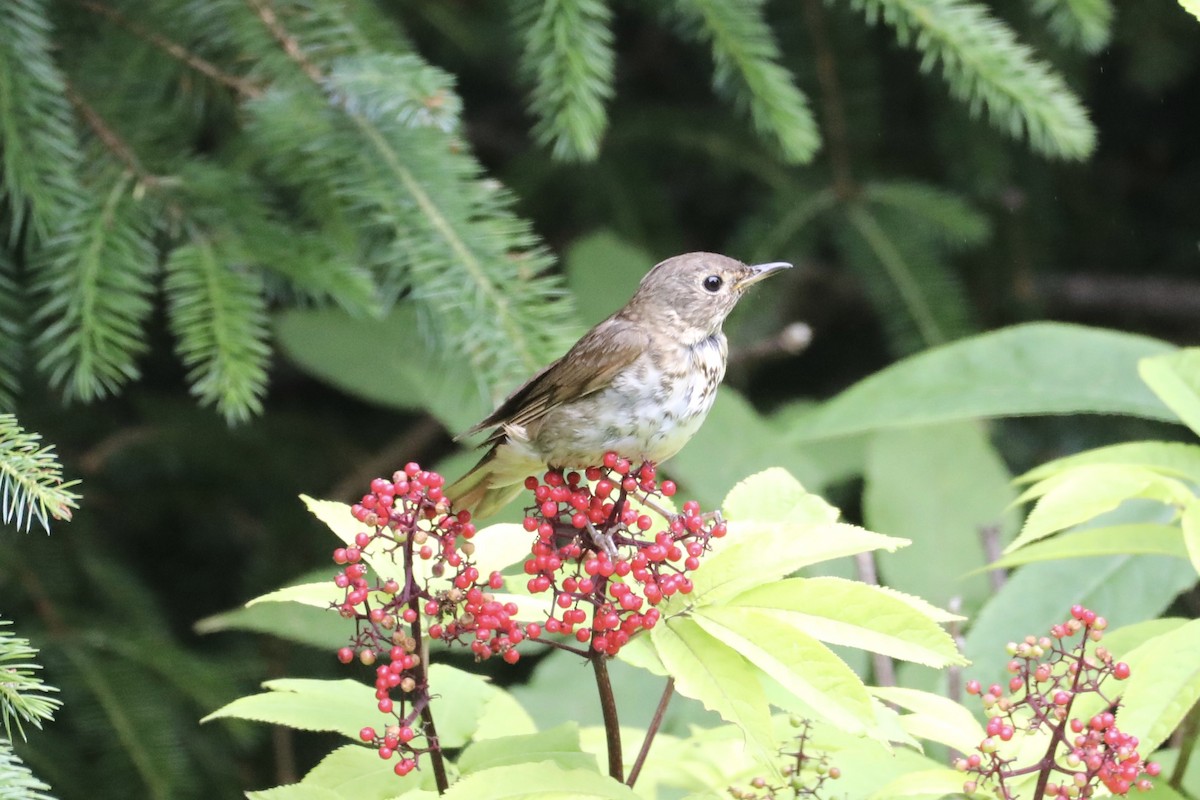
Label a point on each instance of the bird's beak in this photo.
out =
(760, 271)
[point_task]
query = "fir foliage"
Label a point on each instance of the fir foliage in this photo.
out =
(16, 781)
(1086, 24)
(219, 319)
(38, 147)
(31, 483)
(94, 287)
(11, 330)
(568, 58)
(986, 67)
(748, 71)
(24, 698)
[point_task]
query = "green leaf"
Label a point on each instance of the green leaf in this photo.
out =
(343, 351)
(1163, 686)
(1037, 368)
(1135, 539)
(1127, 589)
(1174, 459)
(712, 460)
(796, 661)
(341, 706)
(558, 745)
(934, 717)
(1175, 378)
(603, 271)
(1086, 492)
(316, 627)
(541, 781)
(737, 563)
(1191, 531)
(855, 614)
(774, 495)
(940, 487)
(1192, 7)
(707, 669)
(351, 772)
(930, 784)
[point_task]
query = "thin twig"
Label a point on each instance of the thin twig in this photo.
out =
(608, 708)
(436, 759)
(885, 670)
(655, 723)
(834, 107)
(173, 49)
(288, 42)
(989, 537)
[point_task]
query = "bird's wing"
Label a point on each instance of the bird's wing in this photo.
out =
(587, 367)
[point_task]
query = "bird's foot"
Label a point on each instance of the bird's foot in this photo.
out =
(603, 541)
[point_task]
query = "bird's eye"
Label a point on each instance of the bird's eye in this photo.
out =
(712, 283)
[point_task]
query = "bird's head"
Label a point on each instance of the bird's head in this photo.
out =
(694, 293)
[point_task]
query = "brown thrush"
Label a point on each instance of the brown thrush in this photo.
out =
(639, 383)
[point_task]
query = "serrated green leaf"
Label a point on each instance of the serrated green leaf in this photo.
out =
(1126, 589)
(854, 614)
(1086, 492)
(319, 595)
(1175, 377)
(934, 717)
(1037, 368)
(342, 706)
(502, 715)
(774, 495)
(930, 784)
(1142, 538)
(1163, 685)
(541, 781)
(558, 745)
(315, 627)
(1192, 7)
(708, 670)
(1190, 523)
(1175, 459)
(795, 660)
(738, 563)
(351, 772)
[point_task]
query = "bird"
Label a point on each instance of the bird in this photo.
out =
(639, 383)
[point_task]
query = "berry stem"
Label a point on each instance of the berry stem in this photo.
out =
(1059, 732)
(655, 723)
(421, 674)
(608, 708)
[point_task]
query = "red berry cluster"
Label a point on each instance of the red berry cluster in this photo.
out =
(804, 773)
(409, 522)
(1048, 674)
(597, 553)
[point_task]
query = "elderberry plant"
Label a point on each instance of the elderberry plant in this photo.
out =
(1049, 676)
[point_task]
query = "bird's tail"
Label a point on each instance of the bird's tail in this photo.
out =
(483, 491)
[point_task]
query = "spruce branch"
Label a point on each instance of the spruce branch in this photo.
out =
(94, 285)
(917, 295)
(568, 60)
(946, 217)
(31, 482)
(171, 48)
(474, 267)
(12, 315)
(746, 59)
(39, 151)
(1086, 24)
(218, 315)
(24, 698)
(17, 782)
(986, 67)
